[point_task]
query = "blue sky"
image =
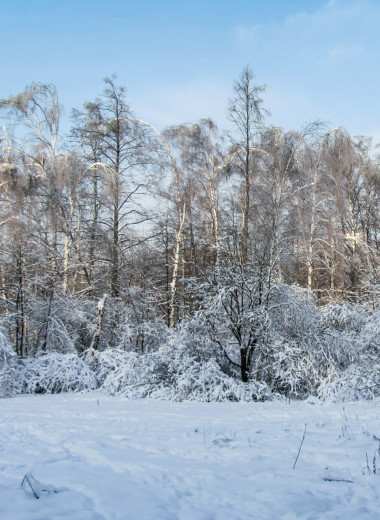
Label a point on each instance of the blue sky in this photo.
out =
(178, 59)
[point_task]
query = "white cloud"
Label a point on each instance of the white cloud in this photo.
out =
(340, 53)
(332, 15)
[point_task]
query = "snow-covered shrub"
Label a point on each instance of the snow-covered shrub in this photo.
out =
(106, 363)
(370, 333)
(355, 373)
(131, 374)
(358, 381)
(192, 334)
(232, 302)
(77, 317)
(309, 351)
(142, 329)
(292, 311)
(206, 382)
(143, 337)
(58, 338)
(61, 324)
(171, 373)
(347, 318)
(54, 373)
(292, 360)
(292, 368)
(8, 382)
(358, 376)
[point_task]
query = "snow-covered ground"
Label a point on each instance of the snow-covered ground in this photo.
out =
(92, 457)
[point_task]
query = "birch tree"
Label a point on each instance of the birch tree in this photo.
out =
(110, 134)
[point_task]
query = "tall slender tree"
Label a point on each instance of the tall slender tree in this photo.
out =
(246, 112)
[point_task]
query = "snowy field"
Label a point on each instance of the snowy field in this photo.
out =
(92, 457)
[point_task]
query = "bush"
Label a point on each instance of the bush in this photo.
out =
(358, 381)
(347, 318)
(54, 373)
(171, 373)
(294, 369)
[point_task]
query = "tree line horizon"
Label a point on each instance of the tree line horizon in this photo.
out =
(121, 213)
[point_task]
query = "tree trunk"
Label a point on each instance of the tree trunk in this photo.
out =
(176, 263)
(20, 309)
(98, 331)
(115, 288)
(244, 365)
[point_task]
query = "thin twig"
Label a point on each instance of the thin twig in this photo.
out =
(30, 484)
(299, 449)
(338, 480)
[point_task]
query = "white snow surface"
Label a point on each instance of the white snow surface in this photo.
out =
(95, 457)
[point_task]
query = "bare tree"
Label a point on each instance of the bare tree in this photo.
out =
(247, 114)
(117, 145)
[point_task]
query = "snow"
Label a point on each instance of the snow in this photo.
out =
(96, 457)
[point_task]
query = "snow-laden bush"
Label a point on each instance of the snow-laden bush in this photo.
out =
(346, 318)
(142, 328)
(58, 338)
(355, 371)
(171, 373)
(299, 369)
(206, 382)
(143, 337)
(292, 359)
(370, 333)
(292, 311)
(232, 303)
(62, 324)
(293, 368)
(358, 381)
(359, 376)
(193, 335)
(54, 373)
(8, 382)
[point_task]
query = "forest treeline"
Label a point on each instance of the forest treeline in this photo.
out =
(122, 236)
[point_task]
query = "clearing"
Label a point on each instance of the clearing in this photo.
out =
(95, 457)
